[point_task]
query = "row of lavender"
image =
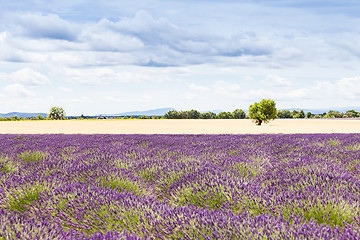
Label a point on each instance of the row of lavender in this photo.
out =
(180, 186)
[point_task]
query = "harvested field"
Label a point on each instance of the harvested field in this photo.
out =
(218, 126)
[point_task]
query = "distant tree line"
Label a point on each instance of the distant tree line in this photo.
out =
(195, 114)
(330, 114)
(59, 113)
(16, 118)
(55, 113)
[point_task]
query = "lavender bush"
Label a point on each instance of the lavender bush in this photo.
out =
(301, 186)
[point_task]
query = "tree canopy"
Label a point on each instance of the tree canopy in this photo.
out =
(194, 114)
(56, 113)
(263, 111)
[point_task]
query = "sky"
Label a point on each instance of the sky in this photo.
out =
(100, 57)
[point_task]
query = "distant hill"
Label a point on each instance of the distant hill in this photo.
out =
(152, 112)
(22, 114)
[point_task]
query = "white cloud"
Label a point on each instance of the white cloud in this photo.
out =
(101, 75)
(196, 87)
(276, 81)
(18, 90)
(112, 44)
(45, 26)
(296, 94)
(189, 96)
(88, 75)
(142, 40)
(143, 25)
(348, 42)
(345, 88)
(132, 76)
(100, 39)
(64, 89)
(249, 79)
(28, 76)
(83, 99)
(114, 99)
(349, 87)
(3, 36)
(289, 54)
(258, 94)
(227, 88)
(144, 98)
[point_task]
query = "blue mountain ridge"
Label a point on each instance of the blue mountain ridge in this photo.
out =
(22, 114)
(152, 112)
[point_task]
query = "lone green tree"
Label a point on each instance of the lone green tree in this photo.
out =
(56, 113)
(263, 111)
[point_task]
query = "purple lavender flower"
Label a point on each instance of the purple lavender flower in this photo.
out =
(300, 186)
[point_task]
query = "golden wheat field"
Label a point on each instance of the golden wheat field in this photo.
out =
(218, 126)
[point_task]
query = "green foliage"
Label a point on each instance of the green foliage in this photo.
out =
(224, 115)
(105, 220)
(22, 200)
(208, 115)
(149, 175)
(4, 168)
(173, 114)
(7, 166)
(333, 214)
(263, 112)
(334, 142)
(354, 147)
(143, 117)
(29, 156)
(38, 117)
(284, 114)
(19, 138)
(293, 114)
(201, 198)
(56, 113)
(194, 114)
(351, 114)
(121, 184)
(297, 114)
(334, 114)
(166, 182)
(16, 118)
(239, 114)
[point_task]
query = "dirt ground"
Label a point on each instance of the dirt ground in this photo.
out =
(218, 126)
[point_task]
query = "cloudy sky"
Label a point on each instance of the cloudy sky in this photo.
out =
(93, 57)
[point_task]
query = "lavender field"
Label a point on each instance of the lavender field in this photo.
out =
(297, 186)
